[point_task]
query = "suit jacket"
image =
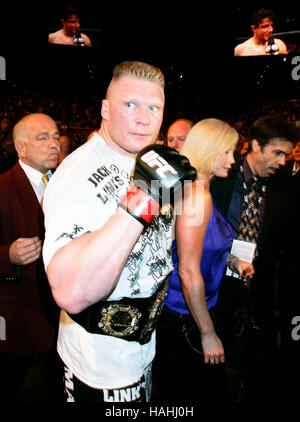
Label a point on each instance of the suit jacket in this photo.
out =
(278, 225)
(27, 311)
(288, 168)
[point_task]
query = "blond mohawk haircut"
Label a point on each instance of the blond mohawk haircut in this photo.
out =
(139, 70)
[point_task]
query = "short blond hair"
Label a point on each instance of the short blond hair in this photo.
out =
(206, 141)
(139, 70)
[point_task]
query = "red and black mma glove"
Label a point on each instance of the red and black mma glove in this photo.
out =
(159, 172)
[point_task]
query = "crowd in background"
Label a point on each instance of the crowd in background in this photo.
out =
(78, 114)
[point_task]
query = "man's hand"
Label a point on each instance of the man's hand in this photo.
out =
(24, 251)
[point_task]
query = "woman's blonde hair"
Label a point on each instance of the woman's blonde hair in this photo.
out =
(206, 141)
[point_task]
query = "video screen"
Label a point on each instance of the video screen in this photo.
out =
(264, 31)
(72, 24)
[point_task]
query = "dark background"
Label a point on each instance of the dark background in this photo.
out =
(191, 42)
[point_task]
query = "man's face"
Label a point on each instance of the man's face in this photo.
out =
(177, 133)
(271, 157)
(72, 24)
(263, 30)
(41, 149)
(132, 113)
(296, 152)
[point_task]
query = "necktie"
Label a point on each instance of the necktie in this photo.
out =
(250, 215)
(248, 230)
(45, 179)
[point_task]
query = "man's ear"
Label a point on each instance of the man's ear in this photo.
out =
(105, 109)
(20, 148)
(256, 146)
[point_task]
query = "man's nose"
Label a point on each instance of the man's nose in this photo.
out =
(282, 160)
(176, 145)
(54, 143)
(143, 116)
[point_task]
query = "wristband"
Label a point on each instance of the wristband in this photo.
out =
(140, 205)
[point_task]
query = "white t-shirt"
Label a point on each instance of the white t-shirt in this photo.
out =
(81, 196)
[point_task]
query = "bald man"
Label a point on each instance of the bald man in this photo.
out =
(177, 133)
(26, 307)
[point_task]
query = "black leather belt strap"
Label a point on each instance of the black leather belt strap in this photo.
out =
(128, 319)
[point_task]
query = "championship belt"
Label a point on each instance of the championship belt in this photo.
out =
(128, 319)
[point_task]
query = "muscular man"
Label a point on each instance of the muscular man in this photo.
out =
(257, 45)
(107, 248)
(71, 24)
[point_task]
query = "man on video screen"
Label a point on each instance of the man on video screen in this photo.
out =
(70, 33)
(262, 42)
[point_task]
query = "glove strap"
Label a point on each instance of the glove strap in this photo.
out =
(140, 205)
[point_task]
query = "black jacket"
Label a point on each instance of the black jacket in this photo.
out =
(279, 225)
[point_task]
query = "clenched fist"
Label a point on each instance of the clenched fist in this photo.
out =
(159, 172)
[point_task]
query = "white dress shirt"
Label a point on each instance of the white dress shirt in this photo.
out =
(35, 179)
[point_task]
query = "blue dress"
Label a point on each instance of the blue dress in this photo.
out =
(216, 246)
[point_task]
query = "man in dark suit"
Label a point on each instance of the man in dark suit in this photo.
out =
(245, 312)
(28, 316)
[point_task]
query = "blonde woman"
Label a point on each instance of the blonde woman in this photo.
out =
(200, 253)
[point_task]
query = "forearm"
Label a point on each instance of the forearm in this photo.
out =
(194, 293)
(88, 268)
(193, 289)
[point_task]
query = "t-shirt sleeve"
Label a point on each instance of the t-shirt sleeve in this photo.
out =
(69, 213)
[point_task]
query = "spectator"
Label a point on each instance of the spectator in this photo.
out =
(177, 133)
(253, 202)
(203, 240)
(26, 304)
